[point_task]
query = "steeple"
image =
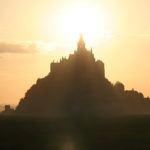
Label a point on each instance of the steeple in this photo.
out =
(81, 44)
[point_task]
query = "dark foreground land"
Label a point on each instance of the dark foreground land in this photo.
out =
(43, 133)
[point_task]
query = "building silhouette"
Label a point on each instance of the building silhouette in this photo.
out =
(8, 110)
(82, 58)
(77, 86)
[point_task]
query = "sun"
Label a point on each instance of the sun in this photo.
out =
(83, 20)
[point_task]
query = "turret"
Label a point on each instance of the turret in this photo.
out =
(81, 43)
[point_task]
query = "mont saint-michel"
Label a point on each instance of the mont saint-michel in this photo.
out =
(77, 86)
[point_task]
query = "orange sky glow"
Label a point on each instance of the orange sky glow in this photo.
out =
(34, 33)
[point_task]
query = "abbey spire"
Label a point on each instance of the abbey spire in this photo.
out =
(81, 43)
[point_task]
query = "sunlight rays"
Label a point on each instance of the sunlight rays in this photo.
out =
(81, 20)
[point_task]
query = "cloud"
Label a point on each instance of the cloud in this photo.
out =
(10, 47)
(46, 46)
(26, 47)
(106, 36)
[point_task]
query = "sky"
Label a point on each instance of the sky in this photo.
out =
(33, 33)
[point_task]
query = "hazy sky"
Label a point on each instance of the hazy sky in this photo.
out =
(35, 32)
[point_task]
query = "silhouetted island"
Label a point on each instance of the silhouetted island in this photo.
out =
(77, 86)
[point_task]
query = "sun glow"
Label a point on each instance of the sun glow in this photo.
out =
(81, 20)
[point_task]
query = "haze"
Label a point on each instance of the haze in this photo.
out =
(34, 33)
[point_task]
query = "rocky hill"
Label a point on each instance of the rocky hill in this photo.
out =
(77, 86)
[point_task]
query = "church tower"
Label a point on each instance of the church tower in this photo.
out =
(81, 43)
